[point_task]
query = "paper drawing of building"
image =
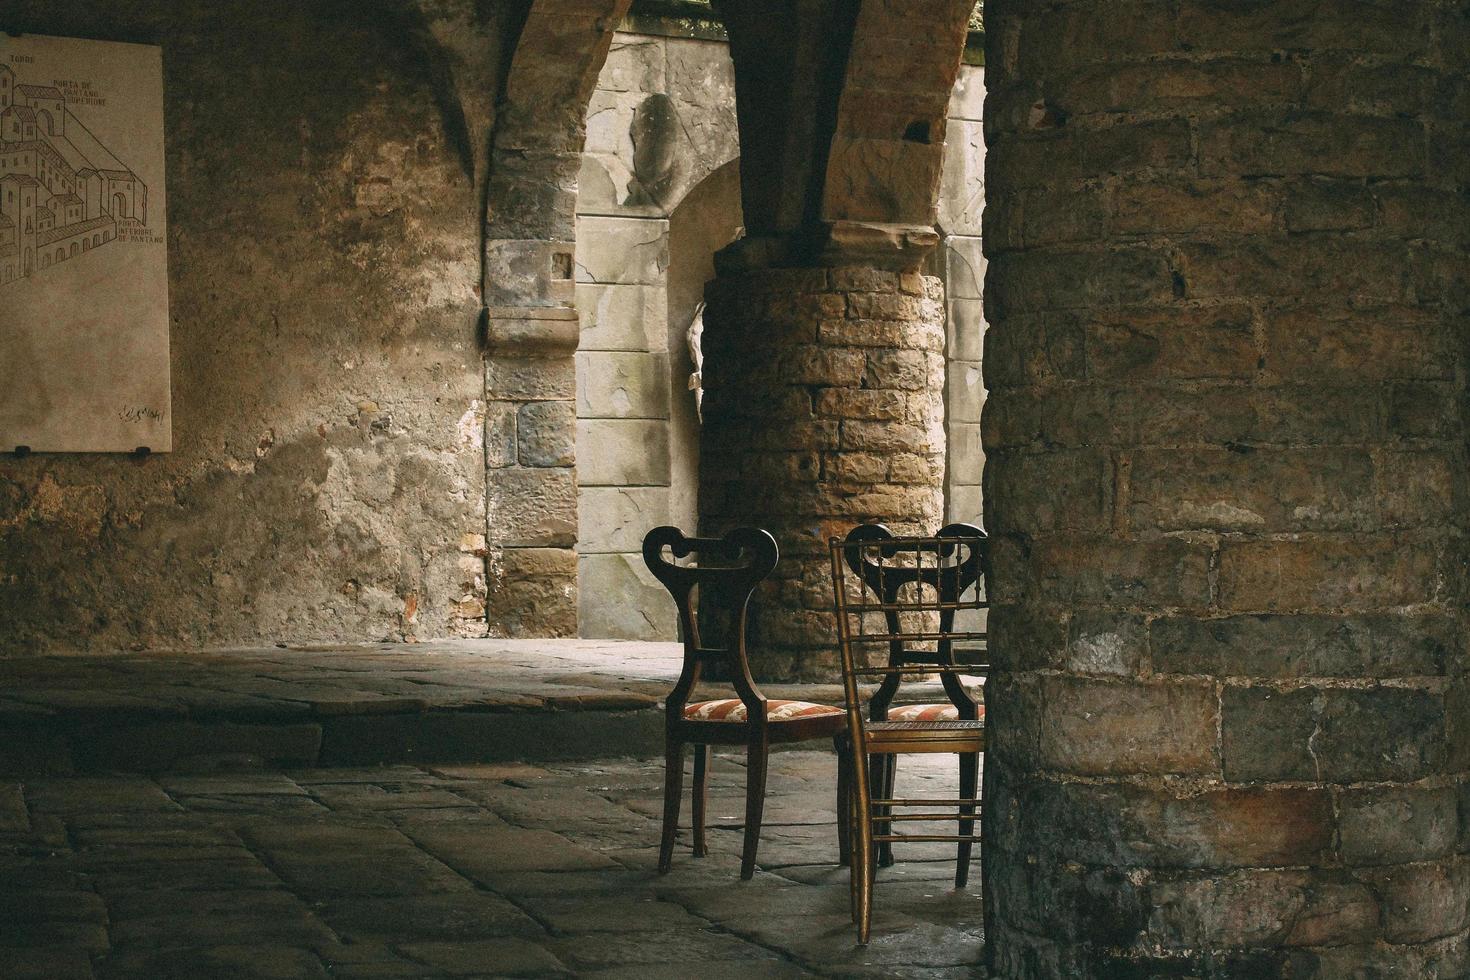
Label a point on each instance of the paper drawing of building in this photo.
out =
(62, 193)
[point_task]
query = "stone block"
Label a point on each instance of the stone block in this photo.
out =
(1357, 345)
(1423, 902)
(623, 452)
(635, 63)
(1266, 734)
(630, 251)
(962, 179)
(620, 384)
(904, 370)
(816, 365)
(1311, 143)
(966, 337)
(530, 378)
(620, 599)
(1416, 488)
(531, 507)
(1328, 205)
(546, 434)
(1105, 644)
(1389, 825)
(964, 393)
(963, 503)
(1152, 207)
(615, 519)
(1148, 345)
(619, 317)
(1057, 279)
(1167, 572)
(860, 403)
(967, 101)
(964, 264)
(888, 437)
(1259, 908)
(1112, 728)
(500, 434)
(1336, 735)
(1047, 492)
(1295, 646)
(1276, 490)
(533, 591)
(1381, 733)
(1359, 573)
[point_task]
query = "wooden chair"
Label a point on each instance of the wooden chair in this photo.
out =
(713, 594)
(919, 585)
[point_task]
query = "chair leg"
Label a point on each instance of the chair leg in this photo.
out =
(755, 803)
(969, 781)
(884, 774)
(673, 790)
(844, 818)
(863, 858)
(701, 785)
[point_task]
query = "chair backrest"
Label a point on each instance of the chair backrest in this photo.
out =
(712, 592)
(920, 588)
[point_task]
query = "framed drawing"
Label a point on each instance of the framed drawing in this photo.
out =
(84, 362)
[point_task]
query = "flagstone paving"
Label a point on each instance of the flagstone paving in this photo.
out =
(479, 870)
(341, 705)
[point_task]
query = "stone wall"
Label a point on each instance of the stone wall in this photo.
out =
(660, 122)
(327, 479)
(1226, 484)
(660, 128)
(962, 261)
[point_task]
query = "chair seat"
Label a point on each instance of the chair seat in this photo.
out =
(733, 710)
(927, 712)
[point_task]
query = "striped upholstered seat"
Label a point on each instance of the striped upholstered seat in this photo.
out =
(733, 710)
(927, 712)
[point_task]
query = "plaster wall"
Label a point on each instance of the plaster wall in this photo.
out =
(327, 479)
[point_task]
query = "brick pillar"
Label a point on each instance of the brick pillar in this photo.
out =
(1225, 483)
(823, 407)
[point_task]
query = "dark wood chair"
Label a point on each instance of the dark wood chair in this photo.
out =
(919, 587)
(886, 575)
(713, 594)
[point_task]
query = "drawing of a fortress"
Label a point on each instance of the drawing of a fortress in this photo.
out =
(62, 193)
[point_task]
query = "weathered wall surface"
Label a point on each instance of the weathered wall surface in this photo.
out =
(1226, 485)
(328, 474)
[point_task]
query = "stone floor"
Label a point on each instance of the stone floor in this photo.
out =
(454, 871)
(341, 705)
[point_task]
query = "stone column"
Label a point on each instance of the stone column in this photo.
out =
(531, 477)
(1226, 478)
(823, 408)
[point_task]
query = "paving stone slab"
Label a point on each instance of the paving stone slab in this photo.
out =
(452, 916)
(240, 962)
(495, 957)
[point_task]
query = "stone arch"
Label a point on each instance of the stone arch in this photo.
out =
(887, 146)
(528, 283)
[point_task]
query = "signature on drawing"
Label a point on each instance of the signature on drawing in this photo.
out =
(139, 414)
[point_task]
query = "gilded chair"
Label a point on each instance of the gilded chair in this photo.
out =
(920, 588)
(712, 592)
